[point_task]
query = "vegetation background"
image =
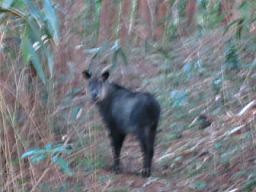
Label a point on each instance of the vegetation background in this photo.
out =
(196, 56)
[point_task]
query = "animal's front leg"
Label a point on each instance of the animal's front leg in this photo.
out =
(117, 142)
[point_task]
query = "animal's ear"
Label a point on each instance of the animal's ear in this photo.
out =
(87, 74)
(105, 75)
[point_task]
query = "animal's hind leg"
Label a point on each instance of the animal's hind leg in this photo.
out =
(147, 144)
(117, 142)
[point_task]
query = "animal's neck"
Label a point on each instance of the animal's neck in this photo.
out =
(111, 90)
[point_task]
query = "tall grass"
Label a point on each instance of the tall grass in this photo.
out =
(210, 72)
(33, 116)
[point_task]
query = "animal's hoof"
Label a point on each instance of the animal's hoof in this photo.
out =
(116, 169)
(145, 172)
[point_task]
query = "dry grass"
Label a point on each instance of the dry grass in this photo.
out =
(221, 157)
(196, 158)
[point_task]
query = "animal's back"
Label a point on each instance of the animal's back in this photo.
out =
(147, 111)
(132, 110)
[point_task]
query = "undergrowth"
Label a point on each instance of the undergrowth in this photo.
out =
(52, 138)
(207, 125)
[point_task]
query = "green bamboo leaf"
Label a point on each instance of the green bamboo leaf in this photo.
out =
(115, 46)
(36, 34)
(62, 164)
(61, 149)
(29, 54)
(240, 27)
(244, 7)
(6, 3)
(74, 91)
(34, 30)
(216, 21)
(98, 50)
(123, 56)
(164, 53)
(33, 10)
(93, 50)
(31, 151)
(198, 185)
(18, 3)
(38, 158)
(114, 59)
(48, 146)
(118, 52)
(231, 24)
(25, 51)
(52, 19)
(75, 111)
(50, 59)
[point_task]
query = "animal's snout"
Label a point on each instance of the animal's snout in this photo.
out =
(94, 95)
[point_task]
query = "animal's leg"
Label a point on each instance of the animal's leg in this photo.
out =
(147, 145)
(117, 142)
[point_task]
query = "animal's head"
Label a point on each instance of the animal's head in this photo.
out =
(97, 85)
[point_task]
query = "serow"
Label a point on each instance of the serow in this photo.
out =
(124, 111)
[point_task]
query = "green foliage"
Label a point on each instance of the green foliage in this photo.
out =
(243, 23)
(89, 18)
(119, 52)
(90, 164)
(216, 83)
(116, 190)
(7, 3)
(178, 97)
(208, 16)
(29, 54)
(75, 111)
(53, 151)
(231, 56)
(36, 28)
(191, 67)
(194, 172)
(198, 185)
(51, 19)
(194, 76)
(250, 185)
(115, 50)
(182, 8)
